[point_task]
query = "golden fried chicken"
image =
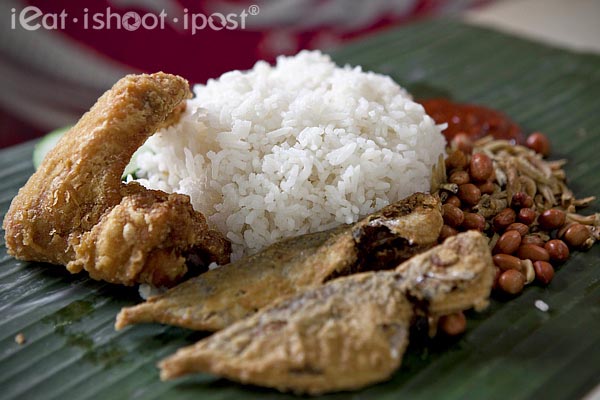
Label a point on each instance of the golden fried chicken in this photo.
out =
(223, 296)
(348, 333)
(75, 211)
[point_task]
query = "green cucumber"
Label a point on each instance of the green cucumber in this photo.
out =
(48, 142)
(132, 167)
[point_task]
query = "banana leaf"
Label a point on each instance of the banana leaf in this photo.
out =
(511, 351)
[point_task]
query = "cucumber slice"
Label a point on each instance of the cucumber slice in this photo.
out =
(132, 168)
(48, 142)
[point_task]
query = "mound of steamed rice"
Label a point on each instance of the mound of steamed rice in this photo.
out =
(299, 147)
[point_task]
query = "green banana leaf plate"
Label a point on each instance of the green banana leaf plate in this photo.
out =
(510, 351)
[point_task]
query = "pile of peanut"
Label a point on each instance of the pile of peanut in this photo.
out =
(520, 201)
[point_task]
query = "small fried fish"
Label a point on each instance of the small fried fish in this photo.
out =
(348, 333)
(220, 297)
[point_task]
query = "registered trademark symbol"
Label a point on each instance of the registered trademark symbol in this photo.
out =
(254, 9)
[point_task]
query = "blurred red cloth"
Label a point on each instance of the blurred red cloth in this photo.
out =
(49, 77)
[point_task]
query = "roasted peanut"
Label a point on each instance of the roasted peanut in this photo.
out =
(561, 232)
(576, 235)
(506, 261)
(453, 216)
(469, 194)
(533, 240)
(557, 249)
(446, 232)
(533, 253)
(511, 281)
(453, 324)
(473, 221)
(539, 143)
(544, 272)
(526, 216)
(519, 227)
(508, 243)
(487, 187)
(503, 219)
(480, 167)
(459, 177)
(454, 200)
(456, 159)
(462, 142)
(521, 200)
(496, 277)
(552, 219)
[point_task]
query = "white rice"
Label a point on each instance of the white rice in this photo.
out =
(541, 305)
(299, 147)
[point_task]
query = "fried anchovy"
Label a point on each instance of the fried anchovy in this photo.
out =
(348, 333)
(222, 296)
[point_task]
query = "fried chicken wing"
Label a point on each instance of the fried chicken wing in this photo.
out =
(220, 297)
(348, 333)
(75, 211)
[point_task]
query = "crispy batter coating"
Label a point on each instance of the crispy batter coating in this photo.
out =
(348, 333)
(75, 211)
(220, 297)
(343, 335)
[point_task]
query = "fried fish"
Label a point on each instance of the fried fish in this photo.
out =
(348, 333)
(75, 211)
(220, 297)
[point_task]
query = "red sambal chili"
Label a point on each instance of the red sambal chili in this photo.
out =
(472, 120)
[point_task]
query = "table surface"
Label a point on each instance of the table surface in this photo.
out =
(571, 24)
